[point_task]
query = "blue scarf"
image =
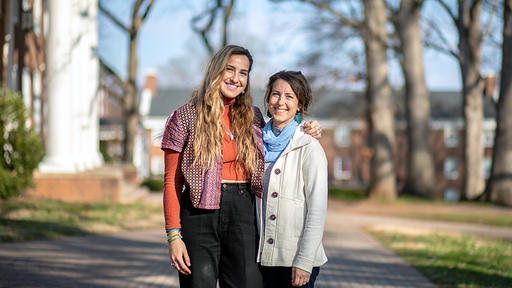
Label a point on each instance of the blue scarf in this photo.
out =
(274, 145)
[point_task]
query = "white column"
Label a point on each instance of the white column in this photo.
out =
(80, 82)
(93, 144)
(59, 157)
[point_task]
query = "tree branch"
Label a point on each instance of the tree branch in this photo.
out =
(113, 18)
(111, 71)
(148, 8)
(491, 15)
(441, 49)
(227, 15)
(204, 31)
(349, 22)
(449, 11)
(440, 34)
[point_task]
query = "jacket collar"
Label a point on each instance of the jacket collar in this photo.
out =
(298, 140)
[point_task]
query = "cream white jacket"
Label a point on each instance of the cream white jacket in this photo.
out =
(295, 206)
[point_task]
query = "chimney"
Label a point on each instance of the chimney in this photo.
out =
(148, 93)
(151, 83)
(490, 83)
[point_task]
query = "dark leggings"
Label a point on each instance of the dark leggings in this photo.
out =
(222, 244)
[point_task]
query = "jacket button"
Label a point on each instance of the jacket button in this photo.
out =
(277, 171)
(273, 217)
(274, 194)
(270, 241)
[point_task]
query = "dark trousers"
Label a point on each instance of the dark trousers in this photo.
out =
(222, 244)
(281, 277)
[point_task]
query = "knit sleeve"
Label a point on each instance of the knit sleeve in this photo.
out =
(173, 185)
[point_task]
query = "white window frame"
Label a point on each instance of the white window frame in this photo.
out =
(451, 194)
(339, 173)
(488, 138)
(157, 165)
(342, 136)
(451, 136)
(486, 167)
(451, 174)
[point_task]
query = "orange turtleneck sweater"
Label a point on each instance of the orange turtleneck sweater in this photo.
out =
(231, 170)
(173, 176)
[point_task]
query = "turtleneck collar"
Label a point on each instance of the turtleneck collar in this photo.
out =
(228, 101)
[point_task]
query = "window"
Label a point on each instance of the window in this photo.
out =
(342, 136)
(487, 164)
(451, 168)
(451, 137)
(342, 168)
(488, 137)
(157, 165)
(451, 195)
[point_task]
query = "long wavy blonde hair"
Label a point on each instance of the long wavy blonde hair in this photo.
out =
(210, 108)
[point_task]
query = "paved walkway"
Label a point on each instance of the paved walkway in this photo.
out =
(139, 259)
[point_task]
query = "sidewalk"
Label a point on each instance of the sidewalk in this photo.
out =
(139, 259)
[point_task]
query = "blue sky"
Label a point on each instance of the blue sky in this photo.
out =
(272, 32)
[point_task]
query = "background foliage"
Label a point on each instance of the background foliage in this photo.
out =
(21, 147)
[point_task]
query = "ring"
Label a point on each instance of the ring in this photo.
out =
(172, 264)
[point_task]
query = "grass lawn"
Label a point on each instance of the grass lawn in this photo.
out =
(31, 220)
(413, 207)
(454, 261)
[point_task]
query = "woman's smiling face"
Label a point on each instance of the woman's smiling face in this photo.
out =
(283, 104)
(235, 76)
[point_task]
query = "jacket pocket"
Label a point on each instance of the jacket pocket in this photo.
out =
(299, 217)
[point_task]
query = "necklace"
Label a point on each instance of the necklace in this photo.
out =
(230, 134)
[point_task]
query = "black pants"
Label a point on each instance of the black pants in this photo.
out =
(281, 277)
(222, 244)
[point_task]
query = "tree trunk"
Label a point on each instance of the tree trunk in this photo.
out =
(470, 40)
(420, 172)
(500, 183)
(380, 110)
(131, 107)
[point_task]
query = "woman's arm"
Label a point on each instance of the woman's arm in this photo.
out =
(173, 185)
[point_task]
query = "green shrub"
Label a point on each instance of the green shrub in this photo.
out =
(154, 183)
(21, 147)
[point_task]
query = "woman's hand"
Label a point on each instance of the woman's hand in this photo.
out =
(299, 277)
(179, 256)
(313, 128)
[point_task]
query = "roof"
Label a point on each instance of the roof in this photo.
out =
(334, 104)
(167, 100)
(444, 105)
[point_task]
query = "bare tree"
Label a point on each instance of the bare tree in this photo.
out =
(204, 22)
(380, 114)
(140, 11)
(420, 172)
(467, 20)
(499, 186)
(380, 104)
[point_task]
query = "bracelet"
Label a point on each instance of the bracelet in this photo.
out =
(174, 237)
(169, 231)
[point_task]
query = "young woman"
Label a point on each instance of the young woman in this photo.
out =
(294, 205)
(213, 170)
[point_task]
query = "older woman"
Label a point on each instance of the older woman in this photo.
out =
(293, 208)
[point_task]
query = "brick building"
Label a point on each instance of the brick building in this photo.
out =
(342, 116)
